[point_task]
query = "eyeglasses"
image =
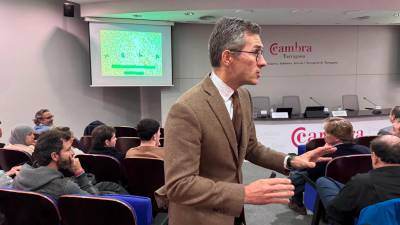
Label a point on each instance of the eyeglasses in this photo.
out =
(47, 118)
(258, 53)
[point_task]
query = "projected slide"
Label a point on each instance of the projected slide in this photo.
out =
(131, 53)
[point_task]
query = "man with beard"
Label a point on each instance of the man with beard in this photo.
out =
(43, 121)
(52, 154)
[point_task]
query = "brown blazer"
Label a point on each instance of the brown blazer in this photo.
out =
(203, 163)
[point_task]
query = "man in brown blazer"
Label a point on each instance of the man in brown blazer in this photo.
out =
(205, 150)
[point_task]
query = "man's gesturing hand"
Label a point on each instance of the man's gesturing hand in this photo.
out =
(267, 191)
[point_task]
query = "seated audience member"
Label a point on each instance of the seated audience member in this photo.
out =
(90, 127)
(344, 202)
(338, 133)
(68, 136)
(394, 117)
(6, 177)
(149, 133)
(103, 142)
(52, 154)
(22, 138)
(43, 121)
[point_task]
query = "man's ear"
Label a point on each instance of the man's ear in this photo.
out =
(107, 142)
(54, 156)
(226, 57)
(374, 159)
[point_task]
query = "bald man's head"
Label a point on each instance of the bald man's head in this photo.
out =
(387, 148)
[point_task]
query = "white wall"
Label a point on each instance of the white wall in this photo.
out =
(367, 56)
(45, 64)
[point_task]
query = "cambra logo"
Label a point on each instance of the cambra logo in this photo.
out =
(276, 48)
(301, 136)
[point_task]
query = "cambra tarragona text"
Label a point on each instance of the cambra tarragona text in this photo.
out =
(301, 135)
(276, 48)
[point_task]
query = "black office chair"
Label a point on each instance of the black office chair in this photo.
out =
(350, 102)
(292, 101)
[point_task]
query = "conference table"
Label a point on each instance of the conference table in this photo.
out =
(285, 135)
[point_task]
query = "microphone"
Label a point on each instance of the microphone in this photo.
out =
(376, 109)
(319, 103)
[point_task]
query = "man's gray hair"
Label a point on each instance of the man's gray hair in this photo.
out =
(228, 33)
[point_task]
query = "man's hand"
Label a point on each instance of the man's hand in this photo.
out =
(76, 167)
(267, 191)
(13, 171)
(308, 159)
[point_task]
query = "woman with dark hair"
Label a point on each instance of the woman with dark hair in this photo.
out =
(103, 142)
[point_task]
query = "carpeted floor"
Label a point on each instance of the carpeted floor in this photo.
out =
(275, 214)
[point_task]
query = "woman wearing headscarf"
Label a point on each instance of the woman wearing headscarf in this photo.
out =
(22, 138)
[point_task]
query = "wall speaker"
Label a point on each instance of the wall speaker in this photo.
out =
(69, 9)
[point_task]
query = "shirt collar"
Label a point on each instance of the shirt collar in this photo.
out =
(224, 90)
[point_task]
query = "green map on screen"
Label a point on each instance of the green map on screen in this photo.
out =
(130, 53)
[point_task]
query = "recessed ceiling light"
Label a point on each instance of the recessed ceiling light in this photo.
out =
(189, 13)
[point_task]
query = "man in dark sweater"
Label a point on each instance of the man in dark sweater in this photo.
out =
(338, 133)
(52, 154)
(344, 202)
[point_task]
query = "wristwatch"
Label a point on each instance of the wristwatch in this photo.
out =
(289, 159)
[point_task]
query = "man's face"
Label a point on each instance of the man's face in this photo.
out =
(47, 119)
(112, 141)
(66, 156)
(396, 127)
(157, 137)
(330, 139)
(246, 66)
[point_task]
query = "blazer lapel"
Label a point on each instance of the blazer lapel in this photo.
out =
(218, 107)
